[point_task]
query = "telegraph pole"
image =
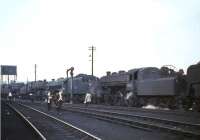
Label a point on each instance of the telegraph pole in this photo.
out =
(35, 72)
(92, 55)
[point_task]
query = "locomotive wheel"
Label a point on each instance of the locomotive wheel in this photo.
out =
(187, 103)
(98, 99)
(94, 99)
(172, 103)
(115, 100)
(142, 102)
(118, 100)
(152, 101)
(106, 99)
(136, 102)
(129, 102)
(196, 105)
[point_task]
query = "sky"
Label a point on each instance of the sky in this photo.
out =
(127, 34)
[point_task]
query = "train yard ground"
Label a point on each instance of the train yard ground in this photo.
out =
(14, 127)
(77, 121)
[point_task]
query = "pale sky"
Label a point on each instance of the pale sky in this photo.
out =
(56, 34)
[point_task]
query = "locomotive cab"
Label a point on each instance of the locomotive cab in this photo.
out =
(133, 77)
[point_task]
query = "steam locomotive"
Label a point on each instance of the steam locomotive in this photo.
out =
(141, 86)
(12, 87)
(161, 87)
(34, 90)
(193, 87)
(82, 84)
(137, 87)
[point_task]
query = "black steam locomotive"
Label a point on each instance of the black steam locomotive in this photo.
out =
(161, 87)
(193, 87)
(137, 87)
(82, 84)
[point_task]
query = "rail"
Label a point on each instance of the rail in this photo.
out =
(37, 132)
(87, 134)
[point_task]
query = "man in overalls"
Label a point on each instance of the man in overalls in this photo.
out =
(60, 100)
(49, 100)
(88, 99)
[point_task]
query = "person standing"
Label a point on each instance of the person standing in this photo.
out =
(60, 101)
(10, 97)
(31, 97)
(88, 99)
(49, 100)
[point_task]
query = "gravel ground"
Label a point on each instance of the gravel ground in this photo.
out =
(189, 117)
(107, 130)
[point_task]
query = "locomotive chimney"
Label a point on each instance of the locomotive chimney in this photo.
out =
(108, 73)
(121, 72)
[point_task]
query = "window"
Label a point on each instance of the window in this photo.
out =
(136, 75)
(130, 77)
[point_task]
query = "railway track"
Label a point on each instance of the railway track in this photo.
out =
(133, 109)
(144, 122)
(53, 128)
(139, 121)
(105, 129)
(16, 126)
(178, 116)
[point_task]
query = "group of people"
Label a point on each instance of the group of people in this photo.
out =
(58, 100)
